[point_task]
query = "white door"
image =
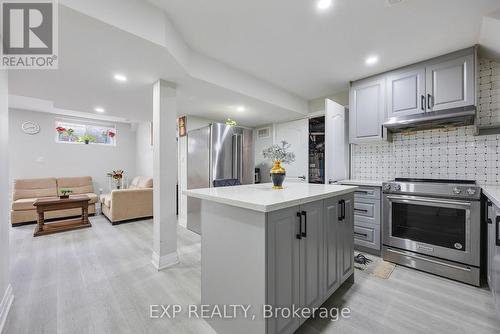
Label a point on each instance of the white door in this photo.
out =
(296, 133)
(335, 142)
(406, 93)
(450, 84)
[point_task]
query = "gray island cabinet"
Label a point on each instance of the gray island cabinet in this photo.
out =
(274, 251)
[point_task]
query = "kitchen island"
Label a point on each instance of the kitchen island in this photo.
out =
(264, 248)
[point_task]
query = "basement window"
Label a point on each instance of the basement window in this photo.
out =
(82, 132)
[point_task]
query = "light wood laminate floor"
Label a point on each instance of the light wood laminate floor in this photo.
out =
(100, 280)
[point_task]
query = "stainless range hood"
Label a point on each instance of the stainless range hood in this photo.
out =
(434, 119)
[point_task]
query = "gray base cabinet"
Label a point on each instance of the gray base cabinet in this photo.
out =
(310, 254)
(493, 253)
(367, 219)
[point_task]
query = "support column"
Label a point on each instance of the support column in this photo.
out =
(164, 175)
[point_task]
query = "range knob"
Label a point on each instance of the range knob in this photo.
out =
(387, 187)
(457, 191)
(397, 187)
(471, 191)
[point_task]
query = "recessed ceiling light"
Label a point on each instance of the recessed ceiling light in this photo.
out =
(324, 4)
(371, 60)
(240, 108)
(120, 77)
(99, 109)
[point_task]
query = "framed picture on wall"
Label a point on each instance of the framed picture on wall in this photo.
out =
(181, 125)
(151, 133)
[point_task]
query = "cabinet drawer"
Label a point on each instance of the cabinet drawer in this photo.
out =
(367, 211)
(367, 192)
(367, 236)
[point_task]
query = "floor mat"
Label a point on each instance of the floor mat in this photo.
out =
(377, 267)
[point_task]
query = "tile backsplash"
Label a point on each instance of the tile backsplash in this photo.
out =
(440, 153)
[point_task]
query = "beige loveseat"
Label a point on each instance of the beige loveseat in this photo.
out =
(26, 191)
(132, 203)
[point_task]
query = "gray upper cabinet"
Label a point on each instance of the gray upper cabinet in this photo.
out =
(450, 83)
(406, 92)
(367, 110)
(440, 83)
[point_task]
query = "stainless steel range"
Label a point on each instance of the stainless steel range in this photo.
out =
(433, 226)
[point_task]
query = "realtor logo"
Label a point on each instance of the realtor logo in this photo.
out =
(29, 31)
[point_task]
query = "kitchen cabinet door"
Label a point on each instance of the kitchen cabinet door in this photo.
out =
(406, 92)
(451, 83)
(296, 133)
(332, 227)
(345, 240)
(283, 267)
(491, 242)
(311, 255)
(495, 274)
(336, 156)
(367, 110)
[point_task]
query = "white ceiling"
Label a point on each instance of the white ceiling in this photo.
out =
(90, 52)
(313, 54)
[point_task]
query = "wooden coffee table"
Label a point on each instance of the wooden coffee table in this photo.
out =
(54, 204)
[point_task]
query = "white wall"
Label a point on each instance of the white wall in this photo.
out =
(144, 161)
(5, 289)
(33, 156)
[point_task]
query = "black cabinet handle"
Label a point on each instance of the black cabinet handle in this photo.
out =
(363, 192)
(361, 234)
(299, 235)
(422, 103)
(429, 97)
(340, 211)
(498, 231)
(361, 210)
(343, 209)
(304, 233)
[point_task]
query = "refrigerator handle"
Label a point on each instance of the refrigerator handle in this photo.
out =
(237, 157)
(240, 158)
(497, 232)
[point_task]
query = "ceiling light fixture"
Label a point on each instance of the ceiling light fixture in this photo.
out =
(372, 60)
(99, 109)
(240, 108)
(120, 77)
(324, 4)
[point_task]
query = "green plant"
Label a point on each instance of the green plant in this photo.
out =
(65, 191)
(86, 139)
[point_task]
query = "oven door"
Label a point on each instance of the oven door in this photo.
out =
(443, 228)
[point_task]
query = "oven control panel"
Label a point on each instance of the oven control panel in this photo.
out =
(433, 189)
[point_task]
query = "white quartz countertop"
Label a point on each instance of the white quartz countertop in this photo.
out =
(493, 193)
(261, 197)
(369, 183)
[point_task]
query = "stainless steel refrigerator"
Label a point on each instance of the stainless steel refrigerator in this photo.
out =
(217, 152)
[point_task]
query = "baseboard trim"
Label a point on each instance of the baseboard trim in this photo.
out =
(5, 306)
(165, 261)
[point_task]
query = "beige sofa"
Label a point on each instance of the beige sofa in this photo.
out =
(132, 203)
(26, 191)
